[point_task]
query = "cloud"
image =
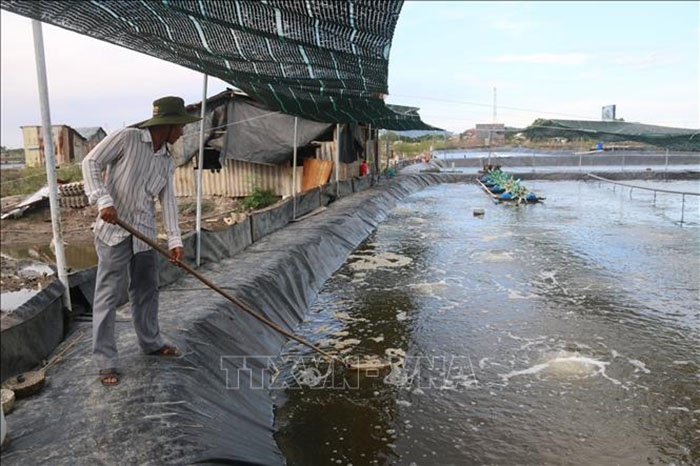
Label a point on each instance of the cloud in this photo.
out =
(544, 58)
(646, 61)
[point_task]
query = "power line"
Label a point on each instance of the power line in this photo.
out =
(476, 104)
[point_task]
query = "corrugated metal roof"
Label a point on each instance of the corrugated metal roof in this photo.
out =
(89, 132)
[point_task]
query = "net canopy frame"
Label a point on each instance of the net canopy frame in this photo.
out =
(681, 139)
(318, 59)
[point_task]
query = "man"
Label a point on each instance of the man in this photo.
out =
(138, 168)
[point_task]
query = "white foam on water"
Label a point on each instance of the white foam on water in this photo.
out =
(531, 343)
(494, 256)
(515, 294)
(326, 342)
(401, 316)
(385, 259)
(530, 370)
(430, 289)
(344, 316)
(395, 352)
(548, 275)
(505, 234)
(342, 344)
(378, 339)
(517, 338)
(566, 364)
(678, 408)
(640, 366)
(549, 278)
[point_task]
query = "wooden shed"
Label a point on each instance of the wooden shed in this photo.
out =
(70, 146)
(249, 146)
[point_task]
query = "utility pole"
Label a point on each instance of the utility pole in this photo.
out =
(493, 123)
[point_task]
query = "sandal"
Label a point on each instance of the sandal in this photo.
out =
(109, 377)
(166, 350)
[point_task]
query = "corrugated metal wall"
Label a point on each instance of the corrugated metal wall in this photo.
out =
(237, 178)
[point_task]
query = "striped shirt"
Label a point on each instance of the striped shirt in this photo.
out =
(134, 177)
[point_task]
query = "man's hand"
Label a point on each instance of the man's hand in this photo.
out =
(109, 214)
(176, 255)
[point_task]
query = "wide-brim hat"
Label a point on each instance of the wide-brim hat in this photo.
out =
(169, 111)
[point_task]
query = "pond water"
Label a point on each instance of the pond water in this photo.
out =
(78, 256)
(566, 332)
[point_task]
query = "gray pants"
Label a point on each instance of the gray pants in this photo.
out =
(113, 264)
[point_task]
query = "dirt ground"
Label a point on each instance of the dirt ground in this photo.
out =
(34, 228)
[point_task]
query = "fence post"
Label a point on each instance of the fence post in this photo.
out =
(682, 208)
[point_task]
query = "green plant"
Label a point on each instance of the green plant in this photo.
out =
(259, 198)
(29, 179)
(190, 206)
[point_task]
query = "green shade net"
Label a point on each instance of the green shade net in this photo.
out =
(669, 138)
(325, 60)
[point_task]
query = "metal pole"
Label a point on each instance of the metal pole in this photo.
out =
(369, 138)
(386, 135)
(494, 105)
(375, 146)
(294, 172)
(337, 160)
(50, 160)
(200, 163)
(682, 208)
(488, 161)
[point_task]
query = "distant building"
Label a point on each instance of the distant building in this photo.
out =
(491, 133)
(93, 135)
(468, 134)
(70, 145)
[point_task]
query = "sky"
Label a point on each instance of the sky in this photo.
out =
(453, 60)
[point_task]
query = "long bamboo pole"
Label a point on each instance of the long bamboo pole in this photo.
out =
(244, 307)
(200, 163)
